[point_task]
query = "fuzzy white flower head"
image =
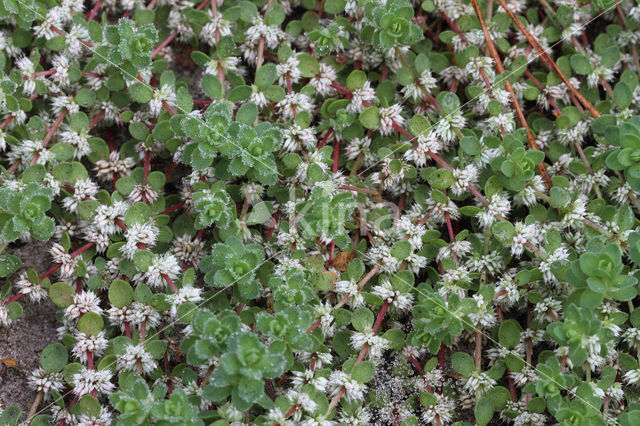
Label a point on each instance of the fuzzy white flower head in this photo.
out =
(34, 291)
(133, 356)
(354, 391)
(499, 205)
(83, 189)
(144, 233)
(397, 300)
(85, 343)
(89, 380)
(41, 381)
(83, 302)
(162, 266)
(350, 288)
(377, 344)
(185, 294)
(361, 97)
(390, 116)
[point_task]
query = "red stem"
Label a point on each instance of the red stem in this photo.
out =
(120, 224)
(50, 271)
(82, 249)
(94, 11)
(163, 44)
(96, 119)
(6, 121)
(170, 283)
(336, 155)
(169, 108)
(173, 208)
(342, 89)
(147, 167)
(14, 298)
(170, 170)
(325, 138)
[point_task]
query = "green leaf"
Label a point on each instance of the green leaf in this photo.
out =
(622, 95)
(14, 310)
(334, 6)
(260, 213)
(560, 197)
(121, 292)
(9, 264)
(441, 178)
(362, 318)
(54, 357)
(156, 180)
(247, 113)
(125, 185)
(470, 145)
(308, 65)
(509, 333)
(537, 405)
(239, 93)
(275, 15)
(462, 363)
(63, 151)
(90, 324)
(156, 348)
(363, 372)
(79, 122)
(265, 76)
(483, 411)
(138, 130)
(61, 294)
(356, 79)
(212, 87)
(370, 117)
(503, 231)
(56, 43)
(401, 249)
(449, 102)
(141, 93)
(581, 64)
(87, 405)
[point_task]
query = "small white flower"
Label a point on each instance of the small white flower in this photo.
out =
(94, 344)
(350, 288)
(83, 302)
(134, 355)
(499, 205)
(83, 189)
(288, 72)
(162, 95)
(5, 321)
(185, 294)
(87, 381)
(479, 381)
(361, 97)
(390, 116)
(632, 377)
(145, 234)
(354, 391)
(162, 265)
(292, 104)
(114, 165)
(35, 292)
(396, 299)
(41, 381)
(377, 344)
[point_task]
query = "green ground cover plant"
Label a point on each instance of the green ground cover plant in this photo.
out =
(325, 212)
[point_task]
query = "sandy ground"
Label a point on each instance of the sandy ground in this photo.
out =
(23, 341)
